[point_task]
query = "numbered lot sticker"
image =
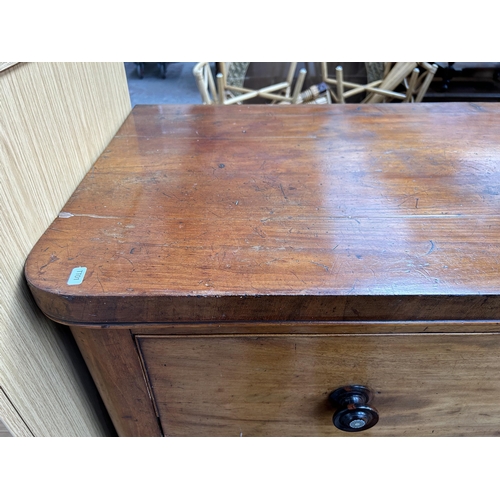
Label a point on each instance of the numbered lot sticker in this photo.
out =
(77, 275)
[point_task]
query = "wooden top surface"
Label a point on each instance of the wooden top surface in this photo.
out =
(344, 212)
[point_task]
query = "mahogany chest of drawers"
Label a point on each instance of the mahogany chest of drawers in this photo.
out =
(287, 271)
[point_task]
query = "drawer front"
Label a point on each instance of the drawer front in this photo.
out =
(422, 385)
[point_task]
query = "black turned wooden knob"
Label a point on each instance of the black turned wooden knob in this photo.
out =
(352, 411)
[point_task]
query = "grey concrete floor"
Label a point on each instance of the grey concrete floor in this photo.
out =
(178, 87)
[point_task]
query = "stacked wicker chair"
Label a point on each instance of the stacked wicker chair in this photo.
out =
(387, 82)
(229, 88)
(414, 79)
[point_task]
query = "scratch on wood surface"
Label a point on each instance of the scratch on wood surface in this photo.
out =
(99, 270)
(67, 215)
(128, 260)
(298, 277)
(476, 106)
(432, 247)
(261, 233)
(99, 281)
(52, 259)
(213, 213)
(320, 265)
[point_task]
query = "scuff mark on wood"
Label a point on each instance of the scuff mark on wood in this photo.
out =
(320, 265)
(261, 233)
(53, 258)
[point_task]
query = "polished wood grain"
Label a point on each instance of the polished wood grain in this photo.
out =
(243, 262)
(427, 385)
(115, 366)
(283, 213)
(322, 327)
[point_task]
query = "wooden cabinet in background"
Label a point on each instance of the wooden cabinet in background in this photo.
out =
(225, 269)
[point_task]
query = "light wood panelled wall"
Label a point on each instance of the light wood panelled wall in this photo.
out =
(55, 120)
(4, 432)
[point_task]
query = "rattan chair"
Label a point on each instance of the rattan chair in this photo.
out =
(415, 79)
(228, 86)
